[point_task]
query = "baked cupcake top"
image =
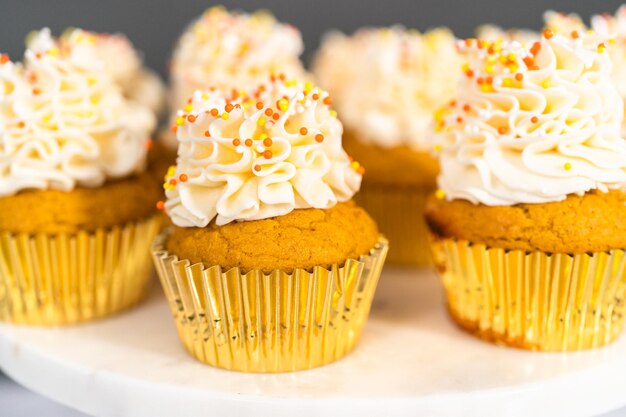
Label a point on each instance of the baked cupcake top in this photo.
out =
(258, 154)
(531, 124)
(115, 54)
(65, 123)
(387, 82)
(232, 50)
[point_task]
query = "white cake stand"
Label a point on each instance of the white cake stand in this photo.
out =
(412, 361)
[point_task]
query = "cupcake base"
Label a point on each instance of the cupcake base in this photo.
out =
(276, 322)
(67, 278)
(399, 213)
(534, 300)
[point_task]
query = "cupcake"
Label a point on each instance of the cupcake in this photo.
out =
(494, 33)
(386, 84)
(78, 209)
(269, 267)
(528, 229)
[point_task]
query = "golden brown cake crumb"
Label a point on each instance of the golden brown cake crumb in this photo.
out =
(399, 166)
(303, 239)
(54, 211)
(593, 222)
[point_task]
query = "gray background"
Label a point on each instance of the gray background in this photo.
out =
(153, 26)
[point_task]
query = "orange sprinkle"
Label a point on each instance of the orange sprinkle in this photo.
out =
(535, 48)
(36, 91)
(267, 154)
(183, 177)
(248, 142)
(259, 105)
(534, 119)
(328, 101)
(191, 118)
(229, 107)
(469, 73)
(466, 107)
(481, 43)
(459, 119)
(174, 128)
(575, 34)
(172, 182)
(214, 112)
(148, 144)
(502, 130)
(4, 58)
(281, 76)
(21, 125)
(236, 142)
(480, 80)
(529, 62)
(207, 133)
(548, 34)
(452, 103)
(519, 76)
(275, 116)
(257, 168)
(315, 96)
(489, 80)
(269, 112)
(319, 138)
(304, 131)
(160, 205)
(469, 42)
(267, 142)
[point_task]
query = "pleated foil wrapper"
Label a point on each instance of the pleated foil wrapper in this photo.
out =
(68, 278)
(399, 213)
(276, 322)
(534, 300)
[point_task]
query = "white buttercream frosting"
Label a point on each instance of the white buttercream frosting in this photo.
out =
(258, 155)
(232, 50)
(115, 54)
(64, 124)
(387, 82)
(532, 124)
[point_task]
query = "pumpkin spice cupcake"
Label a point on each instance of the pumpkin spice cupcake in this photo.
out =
(528, 225)
(386, 84)
(78, 209)
(269, 267)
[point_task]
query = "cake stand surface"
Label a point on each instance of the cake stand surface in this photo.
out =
(412, 361)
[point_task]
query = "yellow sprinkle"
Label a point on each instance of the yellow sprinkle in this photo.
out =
(263, 136)
(437, 147)
(261, 121)
(53, 51)
(513, 68)
(171, 171)
(612, 41)
(225, 116)
(91, 81)
(512, 57)
(355, 165)
(205, 96)
(486, 88)
(290, 83)
(440, 194)
(567, 166)
(465, 67)
(283, 104)
(180, 120)
(188, 108)
(333, 113)
(168, 186)
(545, 84)
(489, 69)
(507, 82)
(308, 86)
(492, 58)
(601, 48)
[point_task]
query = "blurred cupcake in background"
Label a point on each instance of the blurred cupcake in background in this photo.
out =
(386, 84)
(528, 224)
(269, 267)
(493, 33)
(78, 209)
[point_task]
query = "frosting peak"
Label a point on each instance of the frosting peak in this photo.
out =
(531, 124)
(64, 124)
(249, 156)
(387, 82)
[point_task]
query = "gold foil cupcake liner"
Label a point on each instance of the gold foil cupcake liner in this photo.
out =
(399, 213)
(66, 278)
(276, 322)
(534, 300)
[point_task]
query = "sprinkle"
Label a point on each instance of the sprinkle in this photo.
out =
(207, 133)
(267, 142)
(534, 119)
(281, 76)
(191, 118)
(275, 116)
(548, 34)
(261, 121)
(267, 154)
(183, 177)
(319, 138)
(507, 82)
(229, 107)
(355, 165)
(303, 131)
(53, 52)
(545, 84)
(4, 58)
(214, 112)
(315, 96)
(601, 48)
(225, 116)
(567, 166)
(257, 168)
(269, 112)
(440, 194)
(172, 182)
(174, 129)
(248, 142)
(575, 34)
(259, 105)
(148, 144)
(237, 142)
(469, 73)
(36, 91)
(502, 130)
(332, 113)
(519, 77)
(21, 124)
(180, 120)
(459, 119)
(160, 205)
(282, 104)
(535, 48)
(437, 147)
(489, 69)
(328, 101)
(528, 61)
(308, 86)
(188, 108)
(466, 107)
